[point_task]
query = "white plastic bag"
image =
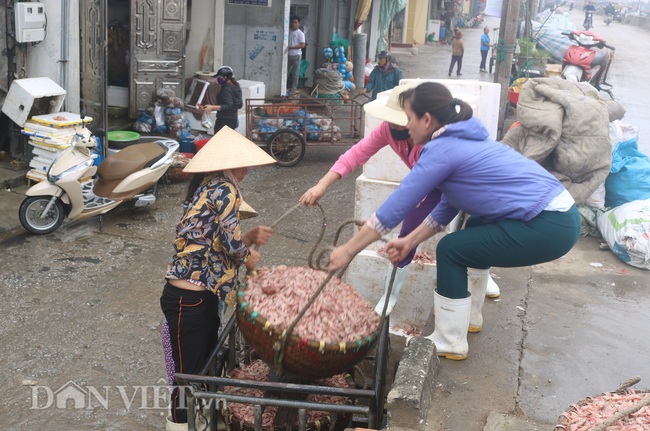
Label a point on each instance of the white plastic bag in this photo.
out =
(626, 229)
(206, 121)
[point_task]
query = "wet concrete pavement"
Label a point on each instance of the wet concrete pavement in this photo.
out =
(81, 315)
(561, 331)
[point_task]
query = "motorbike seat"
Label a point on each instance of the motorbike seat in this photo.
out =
(599, 58)
(124, 163)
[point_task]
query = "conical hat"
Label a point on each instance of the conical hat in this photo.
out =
(246, 211)
(227, 150)
(388, 108)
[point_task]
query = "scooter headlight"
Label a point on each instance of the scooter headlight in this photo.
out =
(80, 167)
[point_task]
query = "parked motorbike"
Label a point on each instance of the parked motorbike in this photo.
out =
(131, 175)
(588, 60)
(589, 20)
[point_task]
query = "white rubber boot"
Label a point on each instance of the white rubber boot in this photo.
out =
(400, 276)
(199, 424)
(451, 318)
(492, 290)
(173, 426)
(477, 282)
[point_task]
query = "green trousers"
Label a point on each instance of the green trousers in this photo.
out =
(504, 243)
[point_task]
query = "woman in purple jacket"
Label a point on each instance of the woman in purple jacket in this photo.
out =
(521, 214)
(391, 132)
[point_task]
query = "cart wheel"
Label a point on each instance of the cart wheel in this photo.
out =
(287, 147)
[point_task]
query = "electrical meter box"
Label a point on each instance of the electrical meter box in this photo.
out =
(30, 22)
(32, 96)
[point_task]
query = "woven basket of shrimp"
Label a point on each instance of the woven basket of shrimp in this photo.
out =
(241, 417)
(623, 410)
(334, 334)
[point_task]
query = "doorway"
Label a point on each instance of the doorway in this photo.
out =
(118, 65)
(309, 26)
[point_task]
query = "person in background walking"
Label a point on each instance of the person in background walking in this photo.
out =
(457, 51)
(383, 77)
(296, 44)
(485, 47)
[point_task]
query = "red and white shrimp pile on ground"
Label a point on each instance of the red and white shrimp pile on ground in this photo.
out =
(339, 313)
(244, 414)
(587, 416)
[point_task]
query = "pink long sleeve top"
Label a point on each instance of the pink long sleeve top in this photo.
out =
(363, 150)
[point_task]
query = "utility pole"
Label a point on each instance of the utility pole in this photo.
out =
(507, 33)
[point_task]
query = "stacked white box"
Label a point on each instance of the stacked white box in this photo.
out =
(252, 90)
(381, 176)
(32, 95)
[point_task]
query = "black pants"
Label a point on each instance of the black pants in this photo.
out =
(193, 319)
(232, 123)
(484, 53)
(456, 59)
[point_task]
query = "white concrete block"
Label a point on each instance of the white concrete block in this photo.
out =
(386, 166)
(367, 273)
(482, 96)
(369, 196)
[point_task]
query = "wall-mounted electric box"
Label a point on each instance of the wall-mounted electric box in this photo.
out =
(30, 22)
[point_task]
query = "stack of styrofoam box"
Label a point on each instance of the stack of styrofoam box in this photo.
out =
(381, 176)
(255, 91)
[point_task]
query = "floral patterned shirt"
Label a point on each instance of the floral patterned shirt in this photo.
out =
(209, 245)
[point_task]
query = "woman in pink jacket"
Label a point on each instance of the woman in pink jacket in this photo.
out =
(392, 132)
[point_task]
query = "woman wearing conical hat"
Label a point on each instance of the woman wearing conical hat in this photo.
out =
(210, 248)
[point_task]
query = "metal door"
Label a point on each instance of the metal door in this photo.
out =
(92, 28)
(157, 50)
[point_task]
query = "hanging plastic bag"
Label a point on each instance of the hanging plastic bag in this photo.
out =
(206, 57)
(206, 121)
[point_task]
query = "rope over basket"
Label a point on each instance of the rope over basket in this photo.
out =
(292, 355)
(567, 423)
(302, 357)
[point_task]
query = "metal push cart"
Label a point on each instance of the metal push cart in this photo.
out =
(364, 409)
(286, 126)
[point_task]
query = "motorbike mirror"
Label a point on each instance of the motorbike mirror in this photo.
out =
(100, 133)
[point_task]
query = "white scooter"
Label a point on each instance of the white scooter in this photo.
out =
(70, 190)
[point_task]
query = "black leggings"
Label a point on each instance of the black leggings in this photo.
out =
(232, 123)
(193, 319)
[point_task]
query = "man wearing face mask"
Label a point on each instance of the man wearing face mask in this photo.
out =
(393, 132)
(229, 100)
